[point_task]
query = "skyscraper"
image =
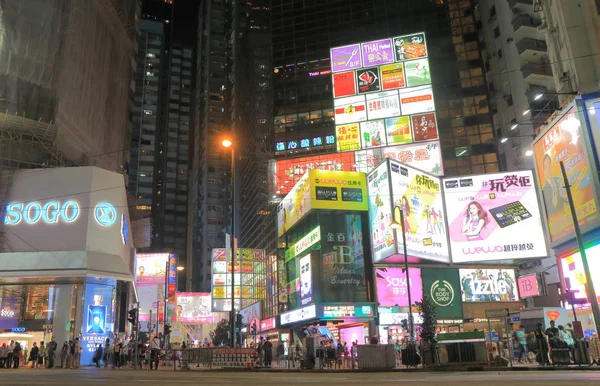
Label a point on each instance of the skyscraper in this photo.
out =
(304, 32)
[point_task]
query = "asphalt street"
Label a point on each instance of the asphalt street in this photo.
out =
(90, 376)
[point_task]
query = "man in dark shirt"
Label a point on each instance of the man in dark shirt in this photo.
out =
(552, 329)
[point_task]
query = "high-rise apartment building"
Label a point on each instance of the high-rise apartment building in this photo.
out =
(303, 33)
(158, 172)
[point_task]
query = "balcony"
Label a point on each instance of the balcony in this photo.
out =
(538, 75)
(531, 50)
(526, 25)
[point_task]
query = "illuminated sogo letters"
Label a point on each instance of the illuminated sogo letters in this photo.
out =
(50, 212)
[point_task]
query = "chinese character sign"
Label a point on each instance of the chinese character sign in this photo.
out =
(377, 52)
(348, 137)
(564, 142)
(392, 289)
(494, 217)
(426, 156)
(419, 196)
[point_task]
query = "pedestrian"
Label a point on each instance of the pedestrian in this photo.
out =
(261, 352)
(280, 355)
(50, 350)
(542, 345)
(521, 341)
(117, 355)
(70, 353)
(17, 355)
(25, 356)
(10, 354)
(76, 353)
(97, 355)
(64, 352)
(268, 348)
(106, 355)
(155, 352)
(33, 355)
(42, 355)
(3, 355)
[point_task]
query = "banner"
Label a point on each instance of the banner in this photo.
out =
(442, 286)
(494, 217)
(488, 285)
(392, 289)
(151, 267)
(380, 213)
(419, 195)
(193, 307)
(564, 142)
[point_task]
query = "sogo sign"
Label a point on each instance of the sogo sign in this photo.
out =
(52, 212)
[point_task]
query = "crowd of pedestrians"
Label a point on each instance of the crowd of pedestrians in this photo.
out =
(44, 355)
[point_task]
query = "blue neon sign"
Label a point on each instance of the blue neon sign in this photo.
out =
(18, 329)
(124, 229)
(105, 214)
(50, 213)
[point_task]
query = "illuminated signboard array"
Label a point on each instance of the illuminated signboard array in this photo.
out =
(304, 143)
(382, 93)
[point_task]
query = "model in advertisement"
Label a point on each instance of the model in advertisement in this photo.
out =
(475, 219)
(555, 196)
(405, 207)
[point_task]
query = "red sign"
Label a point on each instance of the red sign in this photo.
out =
(528, 286)
(267, 324)
(344, 84)
(424, 127)
(287, 172)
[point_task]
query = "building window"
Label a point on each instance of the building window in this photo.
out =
(461, 151)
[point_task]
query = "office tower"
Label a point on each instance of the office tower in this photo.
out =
(158, 172)
(304, 33)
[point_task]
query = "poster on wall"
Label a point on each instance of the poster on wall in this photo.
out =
(348, 137)
(343, 84)
(350, 109)
(372, 134)
(417, 72)
(377, 52)
(424, 127)
(410, 47)
(426, 156)
(367, 80)
(392, 76)
(392, 289)
(398, 130)
(416, 100)
(419, 196)
(380, 213)
(494, 217)
(488, 285)
(306, 285)
(345, 58)
(564, 142)
(383, 105)
(151, 267)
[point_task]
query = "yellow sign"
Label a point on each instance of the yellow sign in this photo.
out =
(322, 189)
(348, 137)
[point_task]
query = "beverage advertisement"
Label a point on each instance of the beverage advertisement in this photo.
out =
(410, 47)
(342, 271)
(419, 196)
(372, 134)
(392, 289)
(416, 100)
(494, 217)
(398, 130)
(574, 275)
(442, 285)
(417, 72)
(377, 52)
(345, 58)
(306, 286)
(343, 84)
(424, 127)
(426, 156)
(380, 213)
(151, 267)
(383, 105)
(392, 76)
(348, 137)
(367, 80)
(488, 285)
(564, 142)
(350, 109)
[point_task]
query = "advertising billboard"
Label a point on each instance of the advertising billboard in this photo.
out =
(574, 275)
(348, 137)
(442, 285)
(306, 282)
(367, 80)
(151, 267)
(383, 105)
(416, 100)
(350, 109)
(380, 212)
(417, 72)
(426, 156)
(494, 217)
(322, 189)
(392, 76)
(193, 307)
(398, 130)
(96, 319)
(285, 173)
(563, 141)
(344, 84)
(372, 134)
(419, 195)
(345, 58)
(392, 289)
(377, 52)
(410, 47)
(528, 286)
(488, 285)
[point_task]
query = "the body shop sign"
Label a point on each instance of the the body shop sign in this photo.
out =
(392, 289)
(442, 286)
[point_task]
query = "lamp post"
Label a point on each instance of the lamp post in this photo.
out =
(179, 269)
(395, 225)
(227, 143)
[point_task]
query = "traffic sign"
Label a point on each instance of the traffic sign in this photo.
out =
(500, 313)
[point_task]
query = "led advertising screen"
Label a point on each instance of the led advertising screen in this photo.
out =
(574, 275)
(96, 320)
(193, 307)
(564, 142)
(392, 289)
(426, 156)
(419, 196)
(488, 285)
(391, 95)
(151, 267)
(494, 217)
(380, 212)
(286, 173)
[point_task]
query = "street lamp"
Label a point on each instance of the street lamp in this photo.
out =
(227, 143)
(395, 226)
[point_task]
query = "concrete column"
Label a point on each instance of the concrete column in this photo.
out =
(62, 312)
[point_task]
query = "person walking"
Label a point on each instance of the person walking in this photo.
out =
(25, 356)
(64, 352)
(280, 355)
(70, 353)
(117, 355)
(155, 352)
(106, 355)
(33, 355)
(521, 341)
(261, 352)
(3, 355)
(51, 350)
(268, 347)
(76, 353)
(542, 345)
(17, 355)
(97, 356)
(42, 355)
(10, 354)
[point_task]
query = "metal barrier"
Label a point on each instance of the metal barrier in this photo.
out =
(200, 356)
(376, 356)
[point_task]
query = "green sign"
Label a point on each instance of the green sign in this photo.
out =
(443, 287)
(303, 244)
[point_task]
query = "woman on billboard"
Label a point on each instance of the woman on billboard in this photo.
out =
(475, 219)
